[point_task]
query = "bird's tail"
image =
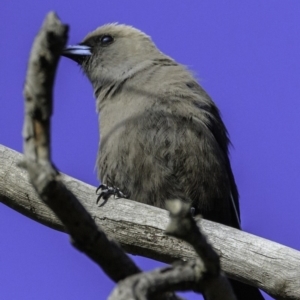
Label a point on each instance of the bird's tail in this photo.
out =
(245, 292)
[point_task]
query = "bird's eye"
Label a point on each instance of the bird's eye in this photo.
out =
(106, 40)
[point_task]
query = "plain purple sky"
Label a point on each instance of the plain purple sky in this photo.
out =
(247, 57)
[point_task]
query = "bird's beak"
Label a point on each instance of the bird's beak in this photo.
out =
(77, 52)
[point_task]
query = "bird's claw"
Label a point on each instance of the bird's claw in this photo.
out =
(107, 191)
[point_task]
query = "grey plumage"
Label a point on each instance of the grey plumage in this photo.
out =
(162, 136)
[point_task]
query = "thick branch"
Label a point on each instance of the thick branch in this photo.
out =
(139, 228)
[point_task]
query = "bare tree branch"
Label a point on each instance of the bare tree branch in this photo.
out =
(139, 228)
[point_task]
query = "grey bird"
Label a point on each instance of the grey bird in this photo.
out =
(161, 135)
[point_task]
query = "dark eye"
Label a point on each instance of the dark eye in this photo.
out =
(106, 40)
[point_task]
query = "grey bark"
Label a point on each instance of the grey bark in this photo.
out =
(139, 228)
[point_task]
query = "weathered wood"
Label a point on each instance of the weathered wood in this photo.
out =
(139, 228)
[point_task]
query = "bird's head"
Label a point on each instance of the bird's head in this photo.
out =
(111, 52)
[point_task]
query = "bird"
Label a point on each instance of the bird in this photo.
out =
(161, 135)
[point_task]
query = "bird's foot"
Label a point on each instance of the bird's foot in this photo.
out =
(107, 191)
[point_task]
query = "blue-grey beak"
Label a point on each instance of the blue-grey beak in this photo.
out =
(77, 52)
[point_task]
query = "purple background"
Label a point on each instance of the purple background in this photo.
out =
(246, 56)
